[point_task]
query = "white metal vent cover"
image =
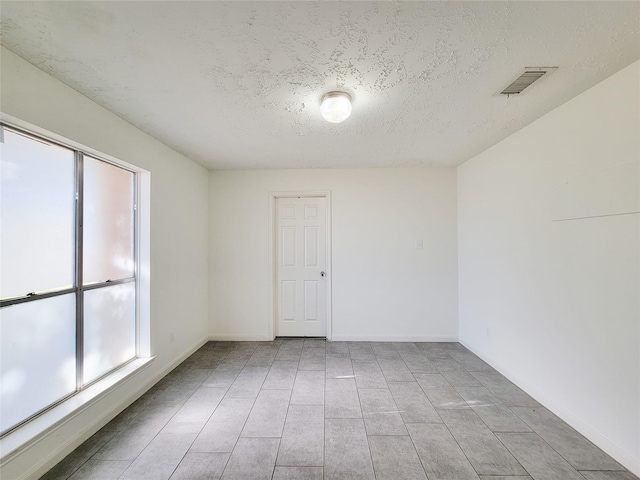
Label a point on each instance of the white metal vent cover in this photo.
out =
(524, 79)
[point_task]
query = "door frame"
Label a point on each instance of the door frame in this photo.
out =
(273, 271)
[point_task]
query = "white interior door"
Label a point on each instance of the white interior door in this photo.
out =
(301, 265)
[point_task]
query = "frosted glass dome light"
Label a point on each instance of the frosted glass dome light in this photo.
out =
(335, 107)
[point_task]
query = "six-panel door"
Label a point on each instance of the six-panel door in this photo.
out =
(301, 260)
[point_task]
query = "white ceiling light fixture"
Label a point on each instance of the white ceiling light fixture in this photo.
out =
(335, 107)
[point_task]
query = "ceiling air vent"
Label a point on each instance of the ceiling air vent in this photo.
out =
(525, 79)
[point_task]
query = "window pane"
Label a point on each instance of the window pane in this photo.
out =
(109, 328)
(108, 222)
(38, 341)
(37, 216)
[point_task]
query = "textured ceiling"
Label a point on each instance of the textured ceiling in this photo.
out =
(238, 84)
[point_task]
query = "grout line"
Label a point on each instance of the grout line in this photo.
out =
(243, 352)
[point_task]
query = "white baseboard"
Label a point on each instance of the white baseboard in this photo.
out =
(626, 459)
(230, 337)
(393, 338)
(40, 465)
(226, 337)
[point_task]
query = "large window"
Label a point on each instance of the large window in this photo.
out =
(67, 273)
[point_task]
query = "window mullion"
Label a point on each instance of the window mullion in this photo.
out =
(33, 297)
(79, 270)
(108, 283)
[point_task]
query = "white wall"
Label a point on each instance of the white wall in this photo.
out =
(383, 288)
(560, 292)
(179, 243)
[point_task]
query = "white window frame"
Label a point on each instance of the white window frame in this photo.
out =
(18, 438)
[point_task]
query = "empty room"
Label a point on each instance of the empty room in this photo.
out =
(320, 240)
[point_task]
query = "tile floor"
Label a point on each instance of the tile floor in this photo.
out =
(308, 409)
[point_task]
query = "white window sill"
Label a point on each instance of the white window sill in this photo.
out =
(62, 413)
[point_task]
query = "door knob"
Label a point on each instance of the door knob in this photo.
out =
(322, 274)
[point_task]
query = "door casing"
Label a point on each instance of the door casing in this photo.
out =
(273, 281)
